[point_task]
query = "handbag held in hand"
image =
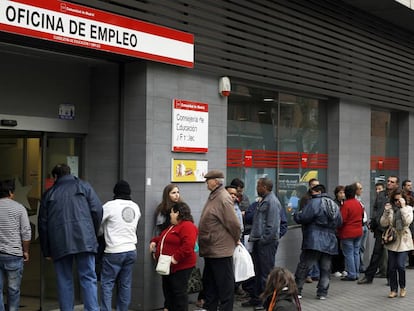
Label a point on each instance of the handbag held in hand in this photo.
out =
(389, 235)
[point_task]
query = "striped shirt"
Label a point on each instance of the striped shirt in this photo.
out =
(14, 227)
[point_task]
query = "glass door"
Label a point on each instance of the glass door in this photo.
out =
(68, 150)
(28, 157)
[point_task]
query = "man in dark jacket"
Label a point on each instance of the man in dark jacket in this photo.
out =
(378, 210)
(319, 218)
(265, 237)
(69, 218)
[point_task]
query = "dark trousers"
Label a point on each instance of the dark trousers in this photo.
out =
(308, 258)
(338, 261)
(411, 258)
(218, 283)
(396, 269)
(375, 258)
(175, 290)
(264, 257)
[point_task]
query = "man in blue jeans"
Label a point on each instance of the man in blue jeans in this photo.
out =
(319, 219)
(119, 226)
(265, 237)
(15, 235)
(69, 219)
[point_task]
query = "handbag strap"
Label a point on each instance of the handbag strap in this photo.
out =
(273, 301)
(163, 238)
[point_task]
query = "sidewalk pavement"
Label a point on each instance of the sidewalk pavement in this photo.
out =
(349, 296)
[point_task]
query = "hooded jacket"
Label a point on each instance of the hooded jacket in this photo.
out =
(319, 228)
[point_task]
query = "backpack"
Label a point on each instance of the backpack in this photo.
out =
(331, 210)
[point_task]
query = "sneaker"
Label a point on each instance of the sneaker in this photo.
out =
(403, 292)
(322, 297)
(392, 294)
(337, 274)
(300, 296)
(344, 273)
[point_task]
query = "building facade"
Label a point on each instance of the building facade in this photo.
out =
(319, 89)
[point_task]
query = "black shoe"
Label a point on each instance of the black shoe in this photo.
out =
(364, 281)
(250, 303)
(348, 279)
(409, 267)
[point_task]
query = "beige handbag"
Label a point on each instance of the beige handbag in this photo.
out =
(164, 261)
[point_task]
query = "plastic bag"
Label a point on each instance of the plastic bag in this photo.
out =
(243, 264)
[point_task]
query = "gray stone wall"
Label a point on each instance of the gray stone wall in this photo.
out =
(148, 95)
(349, 146)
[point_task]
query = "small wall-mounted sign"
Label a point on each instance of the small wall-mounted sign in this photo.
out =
(67, 111)
(188, 170)
(189, 126)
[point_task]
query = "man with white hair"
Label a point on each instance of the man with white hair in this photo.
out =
(219, 233)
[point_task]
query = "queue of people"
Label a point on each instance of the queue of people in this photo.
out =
(71, 218)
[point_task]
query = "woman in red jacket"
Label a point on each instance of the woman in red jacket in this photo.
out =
(179, 242)
(350, 233)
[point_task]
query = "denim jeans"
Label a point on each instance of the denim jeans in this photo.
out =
(396, 265)
(350, 249)
(311, 257)
(117, 268)
(87, 279)
(264, 256)
(314, 272)
(11, 271)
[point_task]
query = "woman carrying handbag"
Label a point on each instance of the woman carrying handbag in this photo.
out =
(178, 241)
(398, 215)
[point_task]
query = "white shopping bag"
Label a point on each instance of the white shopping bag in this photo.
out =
(243, 264)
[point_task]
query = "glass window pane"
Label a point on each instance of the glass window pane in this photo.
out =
(277, 135)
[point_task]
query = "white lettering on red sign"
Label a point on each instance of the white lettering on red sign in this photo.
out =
(78, 25)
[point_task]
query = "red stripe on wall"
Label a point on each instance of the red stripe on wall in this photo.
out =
(282, 159)
(271, 158)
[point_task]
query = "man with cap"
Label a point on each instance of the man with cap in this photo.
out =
(69, 218)
(119, 226)
(219, 233)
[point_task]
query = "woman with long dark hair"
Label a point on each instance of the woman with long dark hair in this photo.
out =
(281, 292)
(399, 215)
(170, 196)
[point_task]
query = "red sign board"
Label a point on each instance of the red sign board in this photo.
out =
(73, 24)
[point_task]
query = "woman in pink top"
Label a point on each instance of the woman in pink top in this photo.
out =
(350, 233)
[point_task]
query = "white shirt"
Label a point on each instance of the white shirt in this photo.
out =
(119, 225)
